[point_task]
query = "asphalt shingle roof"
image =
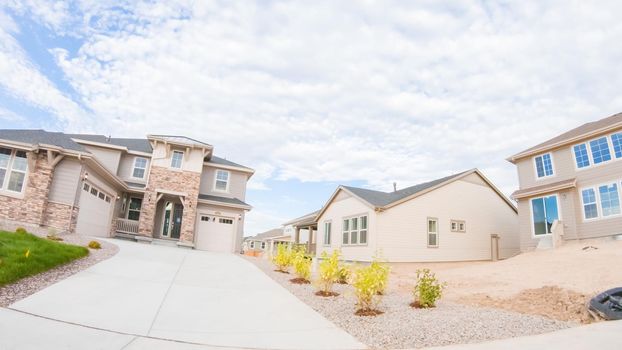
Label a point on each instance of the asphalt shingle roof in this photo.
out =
(140, 145)
(37, 136)
(380, 199)
(209, 197)
(277, 232)
(222, 161)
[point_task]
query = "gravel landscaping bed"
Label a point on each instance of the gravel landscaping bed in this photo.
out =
(30, 285)
(404, 327)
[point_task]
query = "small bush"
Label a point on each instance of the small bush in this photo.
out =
(302, 265)
(328, 273)
(345, 272)
(283, 258)
(382, 270)
(367, 283)
(427, 289)
(21, 230)
(94, 245)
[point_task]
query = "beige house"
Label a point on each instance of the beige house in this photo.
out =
(170, 188)
(263, 241)
(457, 218)
(570, 185)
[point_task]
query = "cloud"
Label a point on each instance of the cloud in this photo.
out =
(8, 115)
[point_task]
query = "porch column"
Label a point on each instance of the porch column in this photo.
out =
(297, 235)
(310, 241)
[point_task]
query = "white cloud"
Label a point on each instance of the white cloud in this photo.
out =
(8, 115)
(374, 91)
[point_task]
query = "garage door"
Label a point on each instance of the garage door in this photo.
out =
(95, 211)
(215, 234)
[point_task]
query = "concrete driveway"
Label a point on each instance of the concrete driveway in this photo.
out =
(149, 293)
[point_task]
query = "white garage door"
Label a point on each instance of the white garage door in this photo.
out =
(215, 234)
(95, 211)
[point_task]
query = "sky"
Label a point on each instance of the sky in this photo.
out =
(316, 94)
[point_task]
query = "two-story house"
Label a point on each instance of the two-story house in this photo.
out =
(162, 187)
(570, 185)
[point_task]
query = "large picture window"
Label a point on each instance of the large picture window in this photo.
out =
(133, 212)
(355, 230)
(13, 169)
(544, 213)
(544, 165)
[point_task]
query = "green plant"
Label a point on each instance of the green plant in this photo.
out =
(328, 273)
(367, 283)
(283, 258)
(21, 230)
(302, 265)
(94, 245)
(427, 289)
(345, 272)
(382, 270)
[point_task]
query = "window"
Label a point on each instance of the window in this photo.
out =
(544, 165)
(263, 245)
(86, 187)
(252, 244)
(355, 230)
(94, 191)
(609, 199)
(327, 228)
(140, 166)
(107, 199)
(457, 226)
(432, 232)
(600, 150)
(204, 218)
(176, 159)
(590, 210)
(102, 195)
(616, 141)
(580, 155)
(222, 180)
(133, 212)
(544, 213)
(225, 221)
(15, 165)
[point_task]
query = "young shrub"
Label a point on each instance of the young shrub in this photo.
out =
(427, 289)
(367, 283)
(382, 270)
(345, 272)
(283, 258)
(21, 230)
(328, 274)
(94, 245)
(302, 266)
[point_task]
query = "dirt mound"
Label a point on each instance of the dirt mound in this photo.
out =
(548, 301)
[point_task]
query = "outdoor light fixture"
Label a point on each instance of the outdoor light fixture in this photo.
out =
(86, 176)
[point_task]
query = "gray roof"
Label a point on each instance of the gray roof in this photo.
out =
(135, 184)
(140, 145)
(303, 220)
(37, 136)
(268, 234)
(181, 139)
(572, 134)
(209, 197)
(380, 199)
(222, 161)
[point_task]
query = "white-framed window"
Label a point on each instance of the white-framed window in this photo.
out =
(140, 168)
(94, 191)
(609, 199)
(263, 245)
(225, 221)
(457, 225)
(355, 230)
(252, 244)
(177, 159)
(133, 211)
(590, 208)
(327, 229)
(13, 170)
(544, 211)
(600, 150)
(601, 201)
(221, 181)
(432, 232)
(544, 165)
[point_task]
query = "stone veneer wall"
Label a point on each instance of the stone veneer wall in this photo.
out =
(59, 216)
(177, 181)
(31, 208)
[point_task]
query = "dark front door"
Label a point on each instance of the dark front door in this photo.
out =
(178, 213)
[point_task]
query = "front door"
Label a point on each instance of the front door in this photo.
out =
(173, 213)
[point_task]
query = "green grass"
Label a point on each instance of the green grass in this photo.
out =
(44, 255)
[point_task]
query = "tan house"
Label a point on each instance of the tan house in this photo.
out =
(163, 187)
(456, 218)
(570, 185)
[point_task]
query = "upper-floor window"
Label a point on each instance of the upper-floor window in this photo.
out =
(355, 230)
(222, 180)
(600, 150)
(544, 165)
(140, 167)
(176, 159)
(616, 141)
(13, 169)
(580, 155)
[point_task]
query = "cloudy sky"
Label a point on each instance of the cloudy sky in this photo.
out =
(316, 94)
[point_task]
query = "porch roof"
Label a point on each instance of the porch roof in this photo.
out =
(224, 201)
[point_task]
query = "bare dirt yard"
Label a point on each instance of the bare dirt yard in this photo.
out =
(552, 283)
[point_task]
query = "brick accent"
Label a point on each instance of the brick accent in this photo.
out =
(31, 208)
(59, 216)
(177, 181)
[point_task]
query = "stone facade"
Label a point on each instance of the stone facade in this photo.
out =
(60, 216)
(175, 181)
(31, 208)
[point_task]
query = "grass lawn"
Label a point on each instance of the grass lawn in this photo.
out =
(44, 255)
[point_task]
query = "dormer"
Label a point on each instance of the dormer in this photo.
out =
(179, 153)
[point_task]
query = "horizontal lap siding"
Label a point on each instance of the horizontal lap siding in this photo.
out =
(402, 233)
(237, 183)
(65, 181)
(126, 168)
(109, 158)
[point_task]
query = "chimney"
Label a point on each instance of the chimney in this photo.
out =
(395, 187)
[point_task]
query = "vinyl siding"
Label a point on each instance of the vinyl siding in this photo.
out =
(336, 212)
(192, 161)
(402, 230)
(109, 158)
(126, 168)
(237, 183)
(65, 181)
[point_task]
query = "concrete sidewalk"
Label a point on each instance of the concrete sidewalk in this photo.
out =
(170, 293)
